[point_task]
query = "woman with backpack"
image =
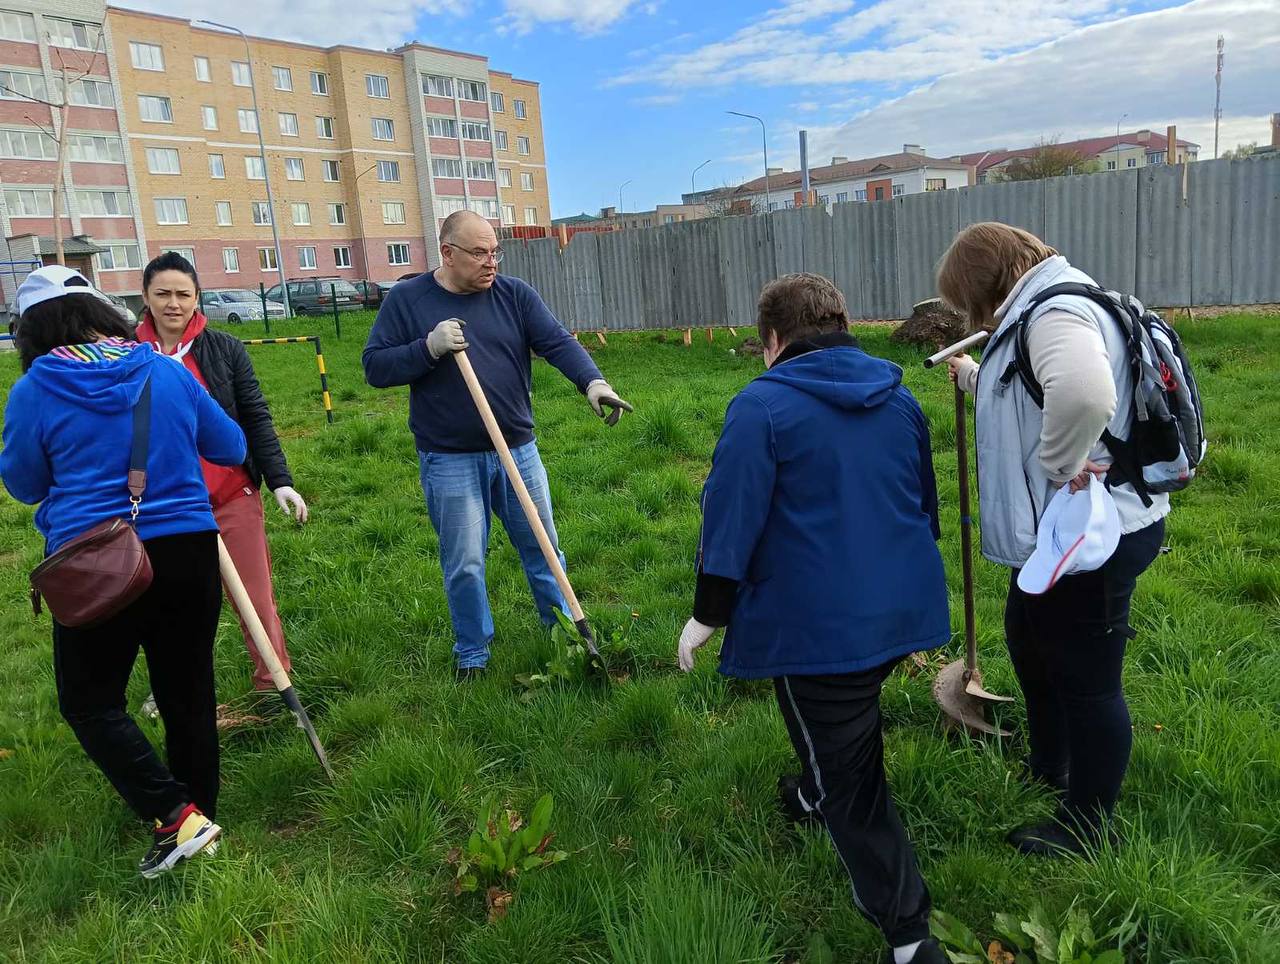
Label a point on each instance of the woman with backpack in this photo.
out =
(69, 444)
(1066, 644)
(173, 325)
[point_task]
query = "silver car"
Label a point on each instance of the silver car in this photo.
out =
(237, 304)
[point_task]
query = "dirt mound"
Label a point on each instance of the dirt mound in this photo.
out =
(752, 346)
(931, 324)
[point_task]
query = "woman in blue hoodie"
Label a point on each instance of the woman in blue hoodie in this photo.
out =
(68, 428)
(819, 555)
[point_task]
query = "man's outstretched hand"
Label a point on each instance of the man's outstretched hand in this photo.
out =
(601, 396)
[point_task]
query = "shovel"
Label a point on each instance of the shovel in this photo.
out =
(958, 686)
(595, 665)
(244, 606)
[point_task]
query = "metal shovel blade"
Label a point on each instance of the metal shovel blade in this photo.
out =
(596, 668)
(304, 724)
(965, 706)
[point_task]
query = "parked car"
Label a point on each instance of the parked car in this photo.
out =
(235, 305)
(372, 291)
(307, 296)
(125, 311)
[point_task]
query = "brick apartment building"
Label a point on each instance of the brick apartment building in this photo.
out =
(367, 151)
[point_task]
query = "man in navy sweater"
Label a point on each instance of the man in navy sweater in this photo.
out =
(466, 304)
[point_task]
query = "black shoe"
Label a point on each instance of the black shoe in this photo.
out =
(470, 673)
(929, 952)
(1063, 836)
(1056, 781)
(789, 801)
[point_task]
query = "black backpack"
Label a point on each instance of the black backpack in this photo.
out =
(1165, 442)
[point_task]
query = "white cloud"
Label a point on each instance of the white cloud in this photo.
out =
(585, 16)
(658, 100)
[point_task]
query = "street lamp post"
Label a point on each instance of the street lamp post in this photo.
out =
(620, 187)
(364, 241)
(1117, 151)
(693, 187)
(764, 142)
(262, 153)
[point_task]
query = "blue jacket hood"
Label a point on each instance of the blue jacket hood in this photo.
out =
(100, 386)
(845, 377)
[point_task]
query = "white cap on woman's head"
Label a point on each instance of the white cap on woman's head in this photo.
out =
(1078, 532)
(53, 281)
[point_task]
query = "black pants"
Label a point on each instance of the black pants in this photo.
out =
(834, 723)
(175, 622)
(1067, 647)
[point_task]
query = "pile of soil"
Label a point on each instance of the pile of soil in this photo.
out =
(752, 346)
(932, 324)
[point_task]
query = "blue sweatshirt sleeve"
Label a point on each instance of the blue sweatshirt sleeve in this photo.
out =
(552, 341)
(218, 438)
(739, 492)
(23, 463)
(395, 354)
(928, 481)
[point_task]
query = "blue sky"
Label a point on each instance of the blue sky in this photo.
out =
(636, 90)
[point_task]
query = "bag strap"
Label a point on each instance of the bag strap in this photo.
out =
(137, 479)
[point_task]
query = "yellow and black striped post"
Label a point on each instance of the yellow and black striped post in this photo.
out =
(324, 375)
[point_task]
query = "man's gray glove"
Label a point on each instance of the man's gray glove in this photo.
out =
(601, 396)
(446, 337)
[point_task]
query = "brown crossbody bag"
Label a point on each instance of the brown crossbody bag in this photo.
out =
(100, 572)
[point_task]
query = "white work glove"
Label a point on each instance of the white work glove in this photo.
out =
(291, 504)
(692, 638)
(446, 337)
(600, 394)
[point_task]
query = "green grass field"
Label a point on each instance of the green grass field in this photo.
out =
(664, 784)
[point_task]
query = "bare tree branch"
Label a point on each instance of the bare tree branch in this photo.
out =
(46, 131)
(34, 100)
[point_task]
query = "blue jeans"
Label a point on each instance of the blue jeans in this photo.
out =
(464, 491)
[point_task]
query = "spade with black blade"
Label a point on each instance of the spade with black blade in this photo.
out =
(244, 606)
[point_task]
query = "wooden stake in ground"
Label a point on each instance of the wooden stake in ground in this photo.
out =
(688, 337)
(711, 335)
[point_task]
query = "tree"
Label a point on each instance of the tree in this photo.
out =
(1047, 159)
(1240, 152)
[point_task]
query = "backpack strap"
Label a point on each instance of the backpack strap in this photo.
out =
(137, 479)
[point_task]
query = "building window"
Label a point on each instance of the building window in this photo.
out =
(163, 160)
(231, 260)
(442, 127)
(1131, 162)
(504, 176)
(209, 117)
(288, 125)
(17, 26)
(383, 129)
(522, 145)
(103, 204)
(146, 56)
(248, 120)
(472, 90)
(496, 103)
(240, 75)
(188, 253)
(935, 184)
(202, 70)
(293, 169)
(94, 147)
(860, 195)
(267, 259)
(337, 214)
(324, 128)
(520, 110)
(668, 219)
(222, 213)
(319, 83)
(16, 85)
(329, 171)
(1111, 165)
(842, 197)
(485, 207)
(480, 170)
(307, 258)
(155, 109)
(899, 190)
(342, 257)
(301, 213)
(446, 167)
(508, 214)
(500, 140)
(30, 204)
(28, 145)
(254, 169)
(444, 206)
(526, 181)
(282, 77)
(88, 93)
(216, 167)
(389, 171)
(261, 213)
(397, 254)
(472, 131)
(437, 86)
(392, 212)
(171, 210)
(119, 257)
(73, 33)
(376, 85)
(531, 216)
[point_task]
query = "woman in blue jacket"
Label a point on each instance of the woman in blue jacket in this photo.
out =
(819, 555)
(68, 428)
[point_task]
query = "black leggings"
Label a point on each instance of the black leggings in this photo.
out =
(175, 622)
(1067, 647)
